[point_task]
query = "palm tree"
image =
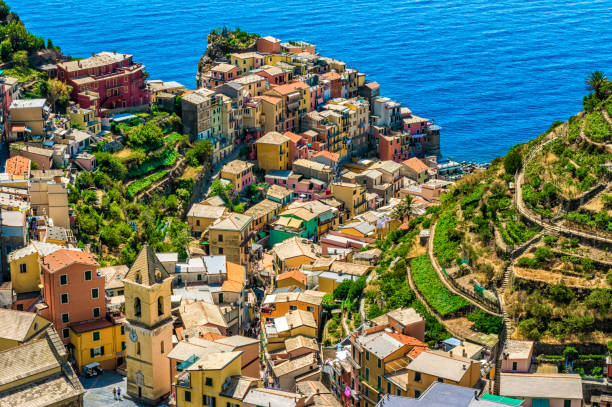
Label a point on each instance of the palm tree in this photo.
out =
(596, 82)
(402, 210)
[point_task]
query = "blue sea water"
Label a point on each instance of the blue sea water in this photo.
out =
(491, 73)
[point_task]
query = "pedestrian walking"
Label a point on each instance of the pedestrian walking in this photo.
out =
(114, 393)
(119, 393)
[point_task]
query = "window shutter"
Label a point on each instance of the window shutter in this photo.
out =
(91, 353)
(102, 350)
(214, 402)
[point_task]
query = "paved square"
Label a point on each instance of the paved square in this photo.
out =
(100, 390)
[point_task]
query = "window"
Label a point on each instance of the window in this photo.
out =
(161, 347)
(187, 395)
(367, 373)
(417, 376)
(399, 392)
(441, 380)
(96, 336)
(220, 238)
(96, 312)
(197, 222)
(160, 306)
(138, 348)
(209, 381)
(378, 363)
(87, 275)
(64, 298)
(367, 355)
(388, 388)
(567, 403)
(65, 318)
(417, 394)
(293, 307)
(95, 352)
(311, 309)
(367, 392)
(514, 366)
(137, 309)
(65, 333)
(23, 268)
(220, 297)
(220, 250)
(94, 293)
(63, 279)
(378, 382)
(123, 345)
(122, 330)
(209, 401)
(199, 277)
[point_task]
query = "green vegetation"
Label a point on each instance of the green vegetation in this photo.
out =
(597, 128)
(447, 239)
(144, 183)
(435, 292)
(235, 39)
(16, 42)
(486, 323)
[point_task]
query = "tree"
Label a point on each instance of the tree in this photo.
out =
(402, 210)
(570, 353)
(5, 10)
(596, 82)
(341, 292)
(20, 59)
(200, 153)
(6, 49)
(58, 92)
(374, 311)
(512, 161)
(148, 136)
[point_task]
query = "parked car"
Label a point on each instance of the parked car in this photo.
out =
(92, 369)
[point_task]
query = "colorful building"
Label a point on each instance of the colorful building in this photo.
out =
(231, 237)
(101, 341)
(25, 268)
(247, 61)
(114, 77)
(86, 119)
(293, 253)
(19, 327)
(352, 195)
(73, 291)
(263, 213)
(298, 222)
(239, 173)
(273, 151)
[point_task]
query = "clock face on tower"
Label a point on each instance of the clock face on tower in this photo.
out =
(133, 336)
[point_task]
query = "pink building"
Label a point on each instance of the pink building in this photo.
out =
(305, 189)
(335, 84)
(113, 77)
(334, 240)
(517, 356)
(298, 147)
(220, 74)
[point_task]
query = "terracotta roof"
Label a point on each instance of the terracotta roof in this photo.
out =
(272, 137)
(332, 76)
(232, 286)
(146, 266)
(292, 136)
(296, 246)
(223, 68)
(63, 258)
(416, 165)
(297, 275)
(327, 154)
(18, 165)
(372, 85)
(290, 87)
(270, 99)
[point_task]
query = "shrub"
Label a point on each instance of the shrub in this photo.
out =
(512, 161)
(374, 311)
(561, 293)
(486, 323)
(528, 262)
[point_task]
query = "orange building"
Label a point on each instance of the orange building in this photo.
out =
(73, 291)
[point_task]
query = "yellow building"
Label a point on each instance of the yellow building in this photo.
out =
(201, 216)
(359, 229)
(271, 115)
(429, 367)
(231, 237)
(247, 61)
(273, 151)
(38, 373)
(273, 59)
(239, 173)
(292, 324)
(101, 341)
(212, 379)
(352, 195)
(294, 252)
(86, 119)
(255, 85)
(24, 266)
(149, 327)
(19, 327)
(296, 102)
(282, 303)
